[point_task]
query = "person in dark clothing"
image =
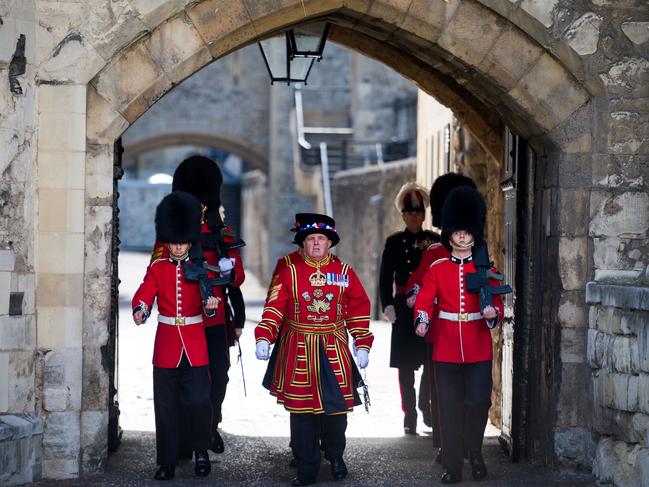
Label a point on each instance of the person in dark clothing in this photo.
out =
(400, 259)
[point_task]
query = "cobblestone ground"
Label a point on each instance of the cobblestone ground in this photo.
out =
(255, 429)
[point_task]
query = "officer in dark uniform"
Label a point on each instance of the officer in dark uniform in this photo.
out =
(400, 259)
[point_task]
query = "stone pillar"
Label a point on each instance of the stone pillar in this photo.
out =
(59, 273)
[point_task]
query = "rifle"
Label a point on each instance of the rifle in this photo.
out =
(478, 282)
(216, 241)
(196, 271)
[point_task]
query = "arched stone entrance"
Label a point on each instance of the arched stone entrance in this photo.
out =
(492, 62)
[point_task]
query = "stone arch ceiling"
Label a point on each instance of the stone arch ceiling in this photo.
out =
(240, 148)
(480, 61)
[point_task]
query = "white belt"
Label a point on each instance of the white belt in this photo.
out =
(460, 316)
(180, 320)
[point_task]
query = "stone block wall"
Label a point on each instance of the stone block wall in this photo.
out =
(20, 448)
(371, 192)
(618, 355)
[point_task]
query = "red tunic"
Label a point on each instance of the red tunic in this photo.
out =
(455, 341)
(312, 310)
(434, 252)
(160, 251)
(165, 281)
(283, 263)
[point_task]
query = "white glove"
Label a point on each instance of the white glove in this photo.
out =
(390, 314)
(226, 264)
(362, 358)
(262, 350)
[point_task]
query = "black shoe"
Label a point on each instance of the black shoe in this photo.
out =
(203, 466)
(217, 443)
(338, 469)
(298, 481)
(449, 477)
(410, 430)
(438, 458)
(165, 472)
(478, 468)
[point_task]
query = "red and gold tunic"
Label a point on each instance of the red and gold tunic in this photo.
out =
(160, 251)
(178, 301)
(283, 263)
(314, 307)
(466, 338)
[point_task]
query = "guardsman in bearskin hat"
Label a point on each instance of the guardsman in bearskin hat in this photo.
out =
(400, 259)
(180, 360)
(442, 186)
(202, 177)
(462, 351)
(314, 304)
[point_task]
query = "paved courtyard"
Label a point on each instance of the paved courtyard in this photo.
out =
(255, 428)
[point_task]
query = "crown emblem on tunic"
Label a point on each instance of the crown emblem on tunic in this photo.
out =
(318, 279)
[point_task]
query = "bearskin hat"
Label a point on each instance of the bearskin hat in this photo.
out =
(464, 209)
(442, 186)
(200, 176)
(411, 197)
(178, 218)
(308, 223)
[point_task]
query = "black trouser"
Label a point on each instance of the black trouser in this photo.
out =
(464, 392)
(178, 393)
(431, 395)
(219, 355)
(306, 431)
(408, 396)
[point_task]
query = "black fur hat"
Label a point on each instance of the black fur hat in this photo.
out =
(308, 223)
(464, 209)
(442, 186)
(178, 218)
(200, 176)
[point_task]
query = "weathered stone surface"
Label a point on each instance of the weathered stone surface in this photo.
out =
(629, 297)
(70, 59)
(583, 34)
(17, 333)
(95, 379)
(62, 386)
(624, 355)
(547, 90)
(629, 133)
(541, 10)
(99, 176)
(637, 32)
(614, 462)
(426, 19)
(573, 345)
(574, 207)
(154, 12)
(574, 407)
(213, 26)
(617, 215)
(643, 392)
(104, 122)
(177, 46)
(471, 33)
(573, 311)
(133, 82)
(61, 442)
(99, 231)
(629, 77)
(573, 262)
(575, 444)
(630, 171)
(96, 310)
(94, 430)
(111, 26)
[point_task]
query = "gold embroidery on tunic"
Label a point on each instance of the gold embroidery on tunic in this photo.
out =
(319, 306)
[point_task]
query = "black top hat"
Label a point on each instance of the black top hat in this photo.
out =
(200, 176)
(308, 223)
(178, 218)
(464, 209)
(442, 186)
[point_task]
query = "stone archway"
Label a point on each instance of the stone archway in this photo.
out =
(491, 64)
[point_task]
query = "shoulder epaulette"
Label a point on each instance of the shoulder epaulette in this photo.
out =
(156, 261)
(439, 260)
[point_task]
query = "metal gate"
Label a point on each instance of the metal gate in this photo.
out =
(518, 190)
